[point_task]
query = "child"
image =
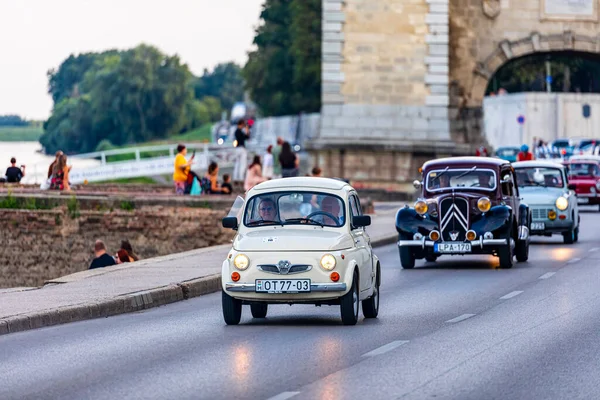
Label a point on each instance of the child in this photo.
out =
(227, 183)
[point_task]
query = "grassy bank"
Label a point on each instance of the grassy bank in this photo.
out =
(20, 133)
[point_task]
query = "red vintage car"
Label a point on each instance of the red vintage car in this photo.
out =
(584, 173)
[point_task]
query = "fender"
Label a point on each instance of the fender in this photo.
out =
(497, 220)
(409, 222)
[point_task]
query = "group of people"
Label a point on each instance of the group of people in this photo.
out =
(103, 259)
(188, 182)
(58, 173)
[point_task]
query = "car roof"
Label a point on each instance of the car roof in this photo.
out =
(305, 182)
(579, 159)
(491, 162)
(536, 163)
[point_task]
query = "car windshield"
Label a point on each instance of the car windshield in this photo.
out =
(508, 152)
(292, 208)
(471, 178)
(561, 144)
(545, 177)
(583, 169)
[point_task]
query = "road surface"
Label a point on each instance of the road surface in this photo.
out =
(455, 329)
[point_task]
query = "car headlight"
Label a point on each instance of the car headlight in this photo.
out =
(562, 203)
(421, 207)
(328, 262)
(241, 262)
(484, 204)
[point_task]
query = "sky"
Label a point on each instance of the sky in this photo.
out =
(37, 35)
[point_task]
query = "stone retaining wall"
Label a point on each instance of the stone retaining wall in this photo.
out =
(39, 245)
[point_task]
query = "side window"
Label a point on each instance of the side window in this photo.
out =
(354, 212)
(507, 190)
(359, 207)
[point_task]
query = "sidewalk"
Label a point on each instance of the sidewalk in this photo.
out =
(132, 287)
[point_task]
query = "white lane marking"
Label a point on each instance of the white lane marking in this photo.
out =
(593, 249)
(284, 396)
(385, 348)
(511, 295)
(460, 318)
(573, 260)
(547, 275)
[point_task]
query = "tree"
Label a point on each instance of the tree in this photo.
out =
(283, 74)
(225, 83)
(12, 120)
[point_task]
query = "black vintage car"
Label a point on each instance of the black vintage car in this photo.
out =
(468, 205)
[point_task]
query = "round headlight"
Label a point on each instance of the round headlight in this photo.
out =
(484, 204)
(241, 262)
(562, 203)
(328, 262)
(421, 207)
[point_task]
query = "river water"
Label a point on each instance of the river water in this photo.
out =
(37, 163)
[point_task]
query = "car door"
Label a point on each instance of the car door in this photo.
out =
(361, 243)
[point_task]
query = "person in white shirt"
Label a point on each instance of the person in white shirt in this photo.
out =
(267, 169)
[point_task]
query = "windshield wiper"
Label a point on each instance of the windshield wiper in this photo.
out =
(441, 173)
(466, 173)
(305, 219)
(264, 221)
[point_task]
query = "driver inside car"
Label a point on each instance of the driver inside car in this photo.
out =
(484, 180)
(267, 210)
(331, 205)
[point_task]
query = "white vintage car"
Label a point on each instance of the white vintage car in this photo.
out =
(300, 240)
(545, 189)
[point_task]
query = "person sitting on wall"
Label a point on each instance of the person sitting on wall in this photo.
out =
(14, 174)
(125, 245)
(226, 186)
(524, 154)
(102, 258)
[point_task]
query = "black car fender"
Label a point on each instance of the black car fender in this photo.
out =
(498, 220)
(524, 217)
(409, 222)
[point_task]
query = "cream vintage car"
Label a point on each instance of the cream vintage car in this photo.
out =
(300, 240)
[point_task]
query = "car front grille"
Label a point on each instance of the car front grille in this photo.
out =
(454, 218)
(294, 269)
(538, 213)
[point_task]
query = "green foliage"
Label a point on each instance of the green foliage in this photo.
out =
(139, 180)
(202, 134)
(23, 203)
(104, 145)
(127, 205)
(20, 133)
(224, 83)
(9, 202)
(284, 74)
(571, 72)
(12, 120)
(73, 207)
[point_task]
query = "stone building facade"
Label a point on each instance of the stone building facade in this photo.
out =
(404, 80)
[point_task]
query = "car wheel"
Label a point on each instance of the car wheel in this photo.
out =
(522, 250)
(505, 253)
(569, 237)
(232, 309)
(370, 306)
(259, 310)
(577, 234)
(407, 258)
(350, 303)
(431, 258)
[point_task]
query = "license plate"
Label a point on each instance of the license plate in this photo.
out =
(538, 226)
(452, 247)
(282, 285)
(583, 200)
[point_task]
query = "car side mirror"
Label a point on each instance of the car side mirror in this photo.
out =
(361, 221)
(417, 184)
(506, 182)
(571, 186)
(230, 222)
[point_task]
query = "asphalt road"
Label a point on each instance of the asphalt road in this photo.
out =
(455, 329)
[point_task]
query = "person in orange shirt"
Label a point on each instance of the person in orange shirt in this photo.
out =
(182, 169)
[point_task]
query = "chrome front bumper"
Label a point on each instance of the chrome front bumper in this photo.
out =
(429, 243)
(315, 287)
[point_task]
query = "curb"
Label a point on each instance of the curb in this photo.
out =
(128, 303)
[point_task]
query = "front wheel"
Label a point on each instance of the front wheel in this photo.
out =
(505, 253)
(522, 250)
(259, 310)
(569, 237)
(232, 309)
(350, 302)
(577, 234)
(407, 258)
(370, 306)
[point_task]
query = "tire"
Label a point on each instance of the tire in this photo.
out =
(577, 234)
(370, 306)
(505, 254)
(407, 258)
(569, 237)
(431, 258)
(259, 310)
(522, 250)
(350, 303)
(232, 309)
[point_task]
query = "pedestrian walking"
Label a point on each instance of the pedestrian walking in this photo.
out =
(241, 154)
(276, 162)
(289, 161)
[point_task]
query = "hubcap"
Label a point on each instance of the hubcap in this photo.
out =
(376, 297)
(355, 301)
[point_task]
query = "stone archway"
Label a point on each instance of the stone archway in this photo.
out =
(535, 43)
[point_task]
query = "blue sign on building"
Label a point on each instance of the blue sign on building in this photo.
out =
(521, 119)
(587, 111)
